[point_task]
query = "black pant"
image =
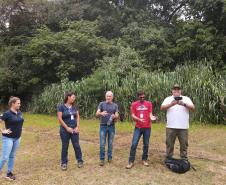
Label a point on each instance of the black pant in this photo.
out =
(65, 138)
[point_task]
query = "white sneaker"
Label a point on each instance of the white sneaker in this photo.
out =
(145, 163)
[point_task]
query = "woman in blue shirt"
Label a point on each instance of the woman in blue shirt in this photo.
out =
(68, 117)
(11, 135)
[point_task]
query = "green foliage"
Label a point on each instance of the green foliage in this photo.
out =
(126, 74)
(50, 57)
(18, 19)
(194, 40)
(150, 41)
(71, 53)
(44, 42)
(14, 77)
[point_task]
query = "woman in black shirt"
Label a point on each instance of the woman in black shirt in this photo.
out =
(11, 135)
(68, 116)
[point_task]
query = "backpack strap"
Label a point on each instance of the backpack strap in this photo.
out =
(193, 168)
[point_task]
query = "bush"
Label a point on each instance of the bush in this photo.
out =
(126, 74)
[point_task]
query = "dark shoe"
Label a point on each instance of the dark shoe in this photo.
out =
(80, 164)
(129, 166)
(10, 176)
(101, 162)
(168, 158)
(63, 167)
(109, 160)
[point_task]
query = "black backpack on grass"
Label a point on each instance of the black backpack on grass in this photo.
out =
(178, 165)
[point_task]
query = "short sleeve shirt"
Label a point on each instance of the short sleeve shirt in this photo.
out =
(69, 115)
(177, 115)
(14, 122)
(142, 110)
(111, 108)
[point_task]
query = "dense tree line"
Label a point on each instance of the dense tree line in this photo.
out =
(44, 42)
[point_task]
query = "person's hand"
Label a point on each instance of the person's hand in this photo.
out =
(76, 130)
(6, 131)
(70, 130)
(142, 120)
(154, 118)
(104, 113)
(181, 103)
(114, 117)
(174, 102)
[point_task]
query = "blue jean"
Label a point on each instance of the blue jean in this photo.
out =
(9, 148)
(65, 138)
(106, 132)
(138, 132)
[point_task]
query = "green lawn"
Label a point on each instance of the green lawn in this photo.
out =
(38, 159)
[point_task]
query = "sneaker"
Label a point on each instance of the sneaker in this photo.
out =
(109, 160)
(63, 167)
(145, 163)
(101, 162)
(80, 164)
(129, 166)
(10, 176)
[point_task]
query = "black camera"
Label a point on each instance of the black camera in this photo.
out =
(177, 98)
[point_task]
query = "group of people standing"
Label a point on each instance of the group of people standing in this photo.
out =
(176, 105)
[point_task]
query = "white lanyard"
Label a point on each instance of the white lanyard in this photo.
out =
(70, 111)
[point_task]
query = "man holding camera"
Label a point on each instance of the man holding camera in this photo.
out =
(177, 107)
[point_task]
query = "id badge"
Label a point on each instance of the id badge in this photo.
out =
(72, 117)
(141, 115)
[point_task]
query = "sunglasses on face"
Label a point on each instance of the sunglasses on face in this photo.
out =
(141, 97)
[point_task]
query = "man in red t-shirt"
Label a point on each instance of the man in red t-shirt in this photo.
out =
(141, 112)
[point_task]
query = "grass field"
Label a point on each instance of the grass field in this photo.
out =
(38, 158)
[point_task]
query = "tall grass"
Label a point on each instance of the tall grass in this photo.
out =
(124, 75)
